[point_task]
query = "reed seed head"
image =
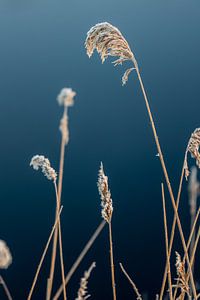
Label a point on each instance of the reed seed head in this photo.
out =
(108, 41)
(5, 255)
(82, 292)
(66, 97)
(182, 282)
(104, 192)
(39, 161)
(193, 148)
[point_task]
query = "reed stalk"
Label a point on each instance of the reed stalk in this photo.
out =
(6, 290)
(166, 242)
(112, 262)
(43, 255)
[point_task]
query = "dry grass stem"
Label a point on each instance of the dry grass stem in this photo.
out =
(65, 99)
(6, 290)
(115, 38)
(82, 292)
(139, 297)
(43, 255)
(80, 257)
(166, 243)
(60, 245)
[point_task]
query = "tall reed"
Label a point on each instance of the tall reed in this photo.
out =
(65, 99)
(40, 162)
(108, 41)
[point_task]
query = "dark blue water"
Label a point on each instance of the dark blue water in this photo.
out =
(42, 51)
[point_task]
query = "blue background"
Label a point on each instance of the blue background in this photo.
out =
(42, 51)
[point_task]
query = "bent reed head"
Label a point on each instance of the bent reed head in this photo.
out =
(108, 41)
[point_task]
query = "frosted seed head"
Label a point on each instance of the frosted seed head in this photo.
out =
(66, 97)
(39, 161)
(104, 192)
(5, 255)
(108, 41)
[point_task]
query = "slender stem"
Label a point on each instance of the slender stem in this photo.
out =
(172, 234)
(43, 255)
(60, 245)
(6, 290)
(166, 178)
(139, 297)
(80, 258)
(55, 238)
(112, 261)
(166, 242)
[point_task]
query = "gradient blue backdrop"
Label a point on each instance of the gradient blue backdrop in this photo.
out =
(42, 51)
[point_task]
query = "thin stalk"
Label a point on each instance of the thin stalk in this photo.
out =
(55, 238)
(112, 261)
(166, 242)
(166, 178)
(80, 258)
(172, 234)
(60, 245)
(43, 255)
(139, 297)
(6, 290)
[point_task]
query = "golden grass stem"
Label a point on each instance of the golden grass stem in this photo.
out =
(112, 262)
(166, 242)
(172, 234)
(55, 238)
(166, 178)
(139, 297)
(6, 290)
(43, 255)
(60, 245)
(80, 257)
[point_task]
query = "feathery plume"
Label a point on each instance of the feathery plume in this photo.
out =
(180, 270)
(106, 201)
(82, 292)
(39, 161)
(5, 255)
(108, 41)
(193, 148)
(66, 97)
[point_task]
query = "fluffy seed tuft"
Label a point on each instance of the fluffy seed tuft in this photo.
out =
(39, 161)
